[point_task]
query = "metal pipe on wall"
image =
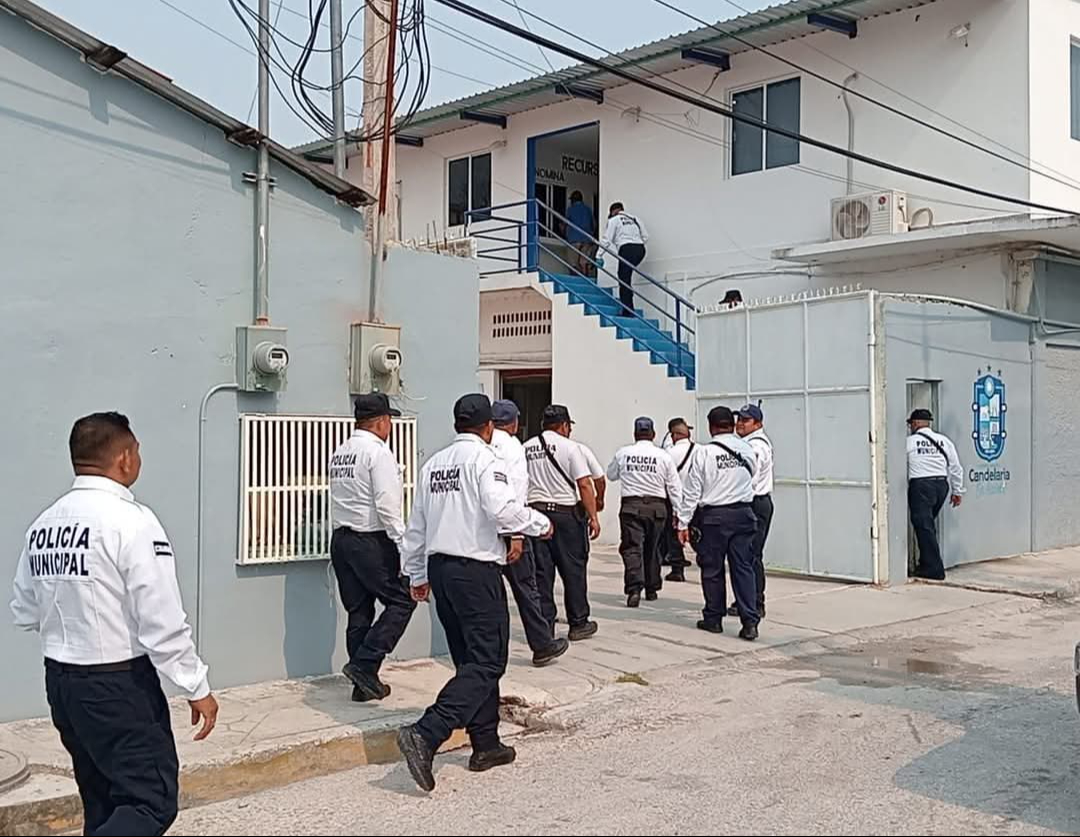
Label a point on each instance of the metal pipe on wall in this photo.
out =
(201, 459)
(262, 175)
(850, 133)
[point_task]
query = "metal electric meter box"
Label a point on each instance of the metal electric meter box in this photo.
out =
(261, 358)
(375, 358)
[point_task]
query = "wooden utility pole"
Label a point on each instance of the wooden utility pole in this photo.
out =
(379, 178)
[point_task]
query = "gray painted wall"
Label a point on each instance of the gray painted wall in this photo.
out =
(127, 265)
(954, 345)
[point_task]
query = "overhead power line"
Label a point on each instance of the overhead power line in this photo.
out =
(620, 71)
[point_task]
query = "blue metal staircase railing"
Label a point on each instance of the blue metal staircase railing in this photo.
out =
(523, 244)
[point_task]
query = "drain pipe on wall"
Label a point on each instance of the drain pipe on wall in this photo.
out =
(262, 175)
(850, 133)
(199, 516)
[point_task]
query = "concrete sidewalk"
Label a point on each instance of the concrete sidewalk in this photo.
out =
(1039, 575)
(272, 734)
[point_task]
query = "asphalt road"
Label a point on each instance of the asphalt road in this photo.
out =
(959, 725)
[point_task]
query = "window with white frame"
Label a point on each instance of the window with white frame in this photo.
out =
(285, 484)
(753, 148)
(1074, 89)
(468, 187)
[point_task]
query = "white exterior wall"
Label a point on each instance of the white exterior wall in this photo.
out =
(704, 221)
(1054, 24)
(606, 385)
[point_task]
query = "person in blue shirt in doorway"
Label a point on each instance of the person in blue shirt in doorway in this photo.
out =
(580, 232)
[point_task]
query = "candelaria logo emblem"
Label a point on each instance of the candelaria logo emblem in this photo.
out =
(988, 410)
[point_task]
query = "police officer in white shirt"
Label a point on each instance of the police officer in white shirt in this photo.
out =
(97, 580)
(455, 546)
(625, 235)
(561, 486)
(934, 473)
(649, 483)
(365, 510)
(750, 425)
(720, 483)
(680, 449)
(598, 474)
(539, 632)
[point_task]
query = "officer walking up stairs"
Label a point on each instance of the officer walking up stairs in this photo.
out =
(97, 580)
(466, 524)
(561, 486)
(649, 483)
(720, 485)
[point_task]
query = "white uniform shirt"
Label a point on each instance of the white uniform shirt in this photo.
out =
(365, 486)
(546, 484)
(97, 580)
(763, 452)
(925, 460)
(511, 452)
(621, 229)
(645, 471)
(463, 506)
(716, 477)
(596, 470)
(681, 456)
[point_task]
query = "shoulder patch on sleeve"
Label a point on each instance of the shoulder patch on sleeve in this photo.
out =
(163, 549)
(501, 477)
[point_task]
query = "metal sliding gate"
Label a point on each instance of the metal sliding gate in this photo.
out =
(811, 361)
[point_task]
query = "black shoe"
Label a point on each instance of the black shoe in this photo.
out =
(675, 575)
(651, 595)
(633, 600)
(418, 756)
(362, 697)
(580, 632)
(749, 633)
(551, 653)
(733, 610)
(368, 686)
(711, 627)
(925, 576)
(487, 759)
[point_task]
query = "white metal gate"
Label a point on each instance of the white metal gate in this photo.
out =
(285, 489)
(812, 362)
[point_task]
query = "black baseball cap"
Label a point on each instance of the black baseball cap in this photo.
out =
(472, 410)
(373, 405)
(555, 414)
(751, 411)
(921, 415)
(644, 424)
(721, 416)
(677, 422)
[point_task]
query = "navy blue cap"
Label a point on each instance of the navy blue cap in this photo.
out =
(751, 411)
(644, 424)
(373, 405)
(679, 421)
(472, 410)
(555, 414)
(921, 415)
(505, 411)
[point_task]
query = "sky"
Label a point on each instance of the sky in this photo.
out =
(202, 45)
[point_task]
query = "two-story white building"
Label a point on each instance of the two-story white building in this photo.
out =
(732, 207)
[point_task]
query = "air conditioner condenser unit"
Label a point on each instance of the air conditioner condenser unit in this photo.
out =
(872, 213)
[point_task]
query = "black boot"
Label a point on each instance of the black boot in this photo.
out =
(368, 685)
(487, 759)
(711, 627)
(677, 574)
(634, 599)
(551, 653)
(749, 632)
(418, 756)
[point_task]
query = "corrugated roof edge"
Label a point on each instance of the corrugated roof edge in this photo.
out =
(117, 61)
(744, 25)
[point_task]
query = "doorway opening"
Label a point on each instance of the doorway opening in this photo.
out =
(531, 390)
(562, 164)
(921, 395)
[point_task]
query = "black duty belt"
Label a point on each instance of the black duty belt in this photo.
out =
(102, 668)
(554, 507)
(727, 506)
(929, 479)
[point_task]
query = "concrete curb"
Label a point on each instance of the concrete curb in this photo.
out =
(207, 783)
(1065, 593)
